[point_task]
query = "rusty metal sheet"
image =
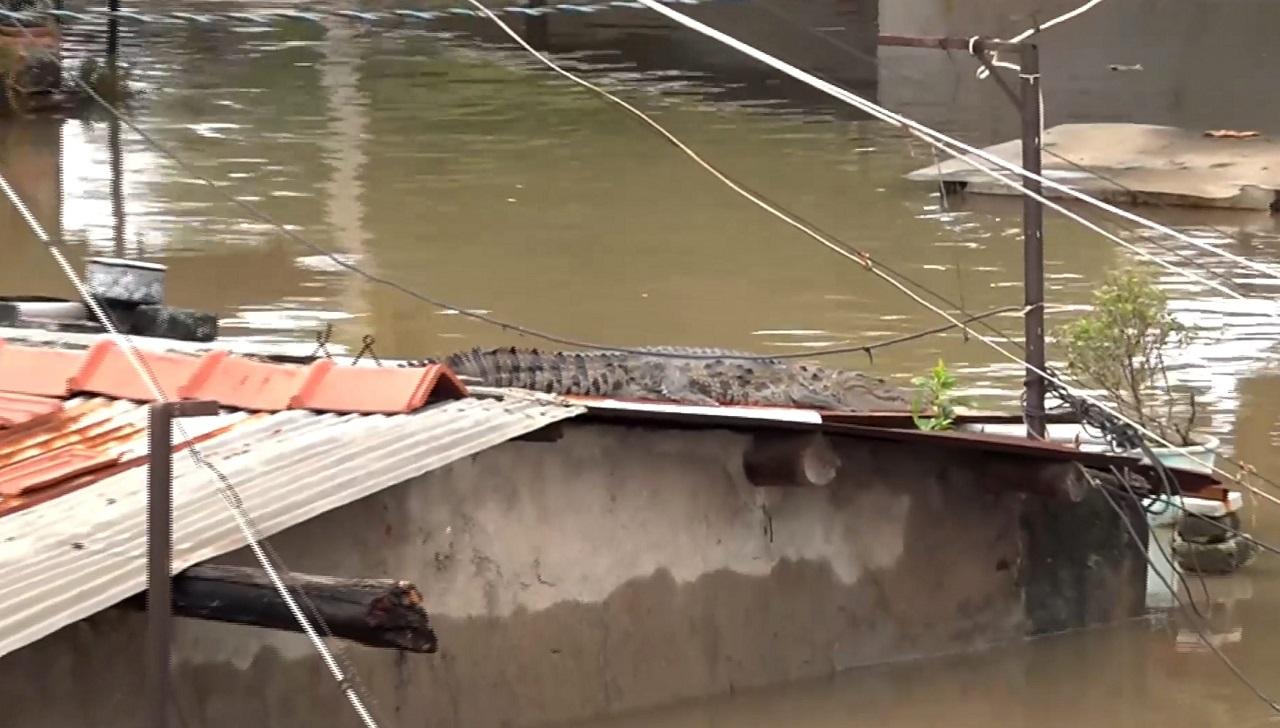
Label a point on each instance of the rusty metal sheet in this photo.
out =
(67, 558)
(1020, 446)
(114, 430)
(903, 419)
(50, 468)
(874, 425)
(98, 424)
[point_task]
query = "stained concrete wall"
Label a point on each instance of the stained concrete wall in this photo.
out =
(614, 569)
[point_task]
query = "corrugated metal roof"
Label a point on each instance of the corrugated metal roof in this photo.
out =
(69, 557)
(114, 430)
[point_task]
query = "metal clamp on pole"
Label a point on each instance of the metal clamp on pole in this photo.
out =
(160, 549)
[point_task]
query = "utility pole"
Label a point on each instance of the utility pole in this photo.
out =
(1033, 240)
(1027, 100)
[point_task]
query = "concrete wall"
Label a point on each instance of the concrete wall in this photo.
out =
(614, 569)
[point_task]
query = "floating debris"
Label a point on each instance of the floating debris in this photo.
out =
(1231, 134)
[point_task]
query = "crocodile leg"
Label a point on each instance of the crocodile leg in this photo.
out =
(675, 384)
(805, 397)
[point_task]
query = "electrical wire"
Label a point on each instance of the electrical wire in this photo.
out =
(1225, 234)
(1197, 621)
(838, 247)
(875, 61)
(840, 93)
(1189, 513)
(1174, 490)
(367, 17)
(812, 231)
(463, 311)
(983, 72)
(867, 349)
(1065, 212)
(861, 259)
(934, 136)
(244, 522)
(853, 254)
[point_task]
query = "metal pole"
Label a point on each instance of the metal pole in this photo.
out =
(537, 28)
(113, 29)
(116, 155)
(160, 549)
(1033, 241)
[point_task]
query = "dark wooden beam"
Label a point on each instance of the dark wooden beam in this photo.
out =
(385, 613)
(953, 44)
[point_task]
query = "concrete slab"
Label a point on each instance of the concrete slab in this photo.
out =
(1159, 164)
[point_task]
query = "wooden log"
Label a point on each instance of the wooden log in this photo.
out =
(790, 460)
(384, 613)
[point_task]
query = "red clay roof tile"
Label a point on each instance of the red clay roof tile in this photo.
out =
(48, 448)
(232, 381)
(16, 409)
(252, 385)
(38, 371)
(368, 390)
(109, 370)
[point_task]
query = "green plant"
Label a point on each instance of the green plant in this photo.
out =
(1120, 346)
(935, 394)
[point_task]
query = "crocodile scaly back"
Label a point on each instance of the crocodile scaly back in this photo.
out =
(725, 381)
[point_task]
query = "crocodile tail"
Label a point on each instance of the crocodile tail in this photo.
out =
(467, 363)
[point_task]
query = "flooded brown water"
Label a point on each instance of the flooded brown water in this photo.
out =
(454, 166)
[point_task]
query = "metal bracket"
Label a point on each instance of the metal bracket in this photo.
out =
(160, 549)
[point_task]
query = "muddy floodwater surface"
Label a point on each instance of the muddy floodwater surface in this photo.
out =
(453, 164)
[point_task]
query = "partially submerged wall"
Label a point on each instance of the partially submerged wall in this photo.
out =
(614, 569)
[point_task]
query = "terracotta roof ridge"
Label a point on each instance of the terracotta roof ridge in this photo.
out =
(232, 380)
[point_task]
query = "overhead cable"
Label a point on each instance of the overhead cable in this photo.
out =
(1197, 622)
(875, 61)
(845, 251)
(984, 72)
(848, 252)
(923, 131)
(243, 521)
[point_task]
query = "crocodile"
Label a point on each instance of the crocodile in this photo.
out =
(691, 352)
(723, 381)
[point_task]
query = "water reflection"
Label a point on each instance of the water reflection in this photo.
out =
(1217, 599)
(453, 165)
